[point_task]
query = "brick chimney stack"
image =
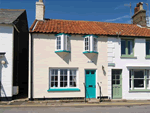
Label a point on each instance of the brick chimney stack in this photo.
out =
(40, 10)
(139, 16)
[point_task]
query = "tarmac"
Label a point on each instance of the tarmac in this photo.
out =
(58, 103)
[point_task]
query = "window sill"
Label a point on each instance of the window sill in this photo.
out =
(62, 51)
(147, 57)
(90, 52)
(140, 90)
(64, 89)
(128, 57)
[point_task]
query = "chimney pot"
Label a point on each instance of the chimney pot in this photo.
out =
(40, 0)
(139, 16)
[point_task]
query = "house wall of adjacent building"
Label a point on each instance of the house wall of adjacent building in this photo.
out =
(6, 45)
(114, 56)
(44, 58)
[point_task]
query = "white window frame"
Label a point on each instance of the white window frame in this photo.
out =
(94, 44)
(145, 74)
(91, 46)
(68, 78)
(60, 42)
(64, 42)
(87, 37)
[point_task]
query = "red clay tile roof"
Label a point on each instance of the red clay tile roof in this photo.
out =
(88, 27)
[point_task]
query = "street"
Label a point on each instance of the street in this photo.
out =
(47, 109)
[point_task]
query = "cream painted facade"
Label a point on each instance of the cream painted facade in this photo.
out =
(44, 58)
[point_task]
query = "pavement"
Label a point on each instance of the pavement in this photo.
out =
(58, 103)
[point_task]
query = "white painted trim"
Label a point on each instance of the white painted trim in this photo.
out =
(12, 58)
(35, 25)
(58, 77)
(62, 42)
(96, 83)
(91, 43)
(68, 78)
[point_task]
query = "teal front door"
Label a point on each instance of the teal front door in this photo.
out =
(90, 81)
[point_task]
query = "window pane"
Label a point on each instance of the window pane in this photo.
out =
(61, 78)
(52, 78)
(117, 76)
(123, 46)
(130, 45)
(117, 81)
(70, 78)
(56, 84)
(148, 74)
(139, 74)
(65, 72)
(56, 78)
(148, 84)
(130, 73)
(52, 84)
(74, 78)
(147, 47)
(95, 44)
(92, 72)
(61, 84)
(138, 83)
(87, 72)
(113, 77)
(130, 83)
(113, 82)
(65, 84)
(58, 42)
(74, 84)
(65, 78)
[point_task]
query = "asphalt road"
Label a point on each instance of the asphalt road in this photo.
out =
(125, 109)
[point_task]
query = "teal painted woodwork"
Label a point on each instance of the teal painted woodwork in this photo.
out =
(90, 81)
(90, 52)
(91, 35)
(62, 34)
(62, 51)
(64, 89)
(116, 84)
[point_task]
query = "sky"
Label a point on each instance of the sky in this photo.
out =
(113, 11)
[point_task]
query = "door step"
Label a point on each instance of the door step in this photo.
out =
(93, 101)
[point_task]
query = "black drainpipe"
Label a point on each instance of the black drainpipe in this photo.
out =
(31, 88)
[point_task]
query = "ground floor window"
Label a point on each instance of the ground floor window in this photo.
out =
(139, 79)
(63, 78)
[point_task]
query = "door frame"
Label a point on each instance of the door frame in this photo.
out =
(112, 84)
(95, 78)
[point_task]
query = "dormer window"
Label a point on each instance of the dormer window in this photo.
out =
(58, 42)
(90, 43)
(62, 43)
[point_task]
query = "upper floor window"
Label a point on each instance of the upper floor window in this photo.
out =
(90, 43)
(62, 42)
(147, 47)
(58, 42)
(127, 47)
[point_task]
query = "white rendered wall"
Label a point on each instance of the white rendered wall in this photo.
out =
(6, 45)
(114, 55)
